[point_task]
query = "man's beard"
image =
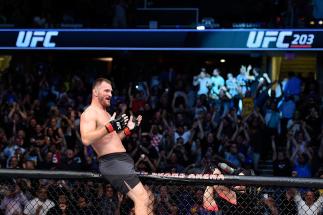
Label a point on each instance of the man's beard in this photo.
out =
(103, 102)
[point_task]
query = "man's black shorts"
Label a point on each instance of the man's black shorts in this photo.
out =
(118, 169)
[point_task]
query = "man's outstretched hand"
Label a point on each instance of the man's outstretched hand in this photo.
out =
(134, 122)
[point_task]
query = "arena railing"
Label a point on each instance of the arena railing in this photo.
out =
(88, 193)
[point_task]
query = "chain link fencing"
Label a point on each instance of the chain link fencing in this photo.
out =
(30, 192)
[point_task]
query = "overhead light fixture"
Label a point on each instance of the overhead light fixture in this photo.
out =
(320, 22)
(106, 59)
(312, 22)
(200, 27)
(222, 60)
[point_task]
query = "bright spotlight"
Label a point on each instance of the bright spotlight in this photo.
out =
(200, 27)
(106, 59)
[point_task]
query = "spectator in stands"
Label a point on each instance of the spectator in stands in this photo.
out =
(286, 203)
(234, 156)
(144, 164)
(294, 125)
(13, 163)
(201, 81)
(232, 85)
(287, 108)
(34, 154)
(168, 77)
(47, 162)
(298, 144)
(309, 204)
(272, 119)
(173, 209)
(17, 117)
(262, 99)
(14, 200)
(293, 86)
(254, 81)
(3, 137)
(62, 207)
(256, 132)
(198, 207)
(161, 162)
(137, 102)
(163, 201)
(71, 161)
(215, 84)
(313, 121)
(302, 165)
(37, 137)
(174, 165)
(281, 163)
(179, 102)
(243, 79)
(39, 205)
(90, 162)
(233, 89)
(226, 103)
(70, 130)
(84, 207)
(55, 132)
(110, 202)
(182, 133)
(242, 139)
(156, 139)
(14, 147)
(29, 165)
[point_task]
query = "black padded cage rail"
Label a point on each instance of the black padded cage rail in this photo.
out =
(59, 192)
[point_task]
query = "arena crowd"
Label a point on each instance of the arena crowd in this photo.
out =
(190, 122)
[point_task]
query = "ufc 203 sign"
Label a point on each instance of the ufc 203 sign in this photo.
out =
(33, 39)
(279, 39)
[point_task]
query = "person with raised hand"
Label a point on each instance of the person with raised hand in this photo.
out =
(105, 133)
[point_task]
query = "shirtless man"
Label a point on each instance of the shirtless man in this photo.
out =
(105, 132)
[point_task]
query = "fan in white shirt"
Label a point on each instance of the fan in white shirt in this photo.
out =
(39, 205)
(309, 206)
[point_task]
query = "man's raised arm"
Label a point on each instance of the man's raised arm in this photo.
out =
(90, 134)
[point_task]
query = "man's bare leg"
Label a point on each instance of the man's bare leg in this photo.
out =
(151, 200)
(140, 197)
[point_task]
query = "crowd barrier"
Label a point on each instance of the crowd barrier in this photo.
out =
(69, 192)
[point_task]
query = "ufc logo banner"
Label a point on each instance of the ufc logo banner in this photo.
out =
(34, 39)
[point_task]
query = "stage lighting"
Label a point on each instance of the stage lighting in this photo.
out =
(320, 22)
(222, 60)
(106, 59)
(312, 22)
(200, 27)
